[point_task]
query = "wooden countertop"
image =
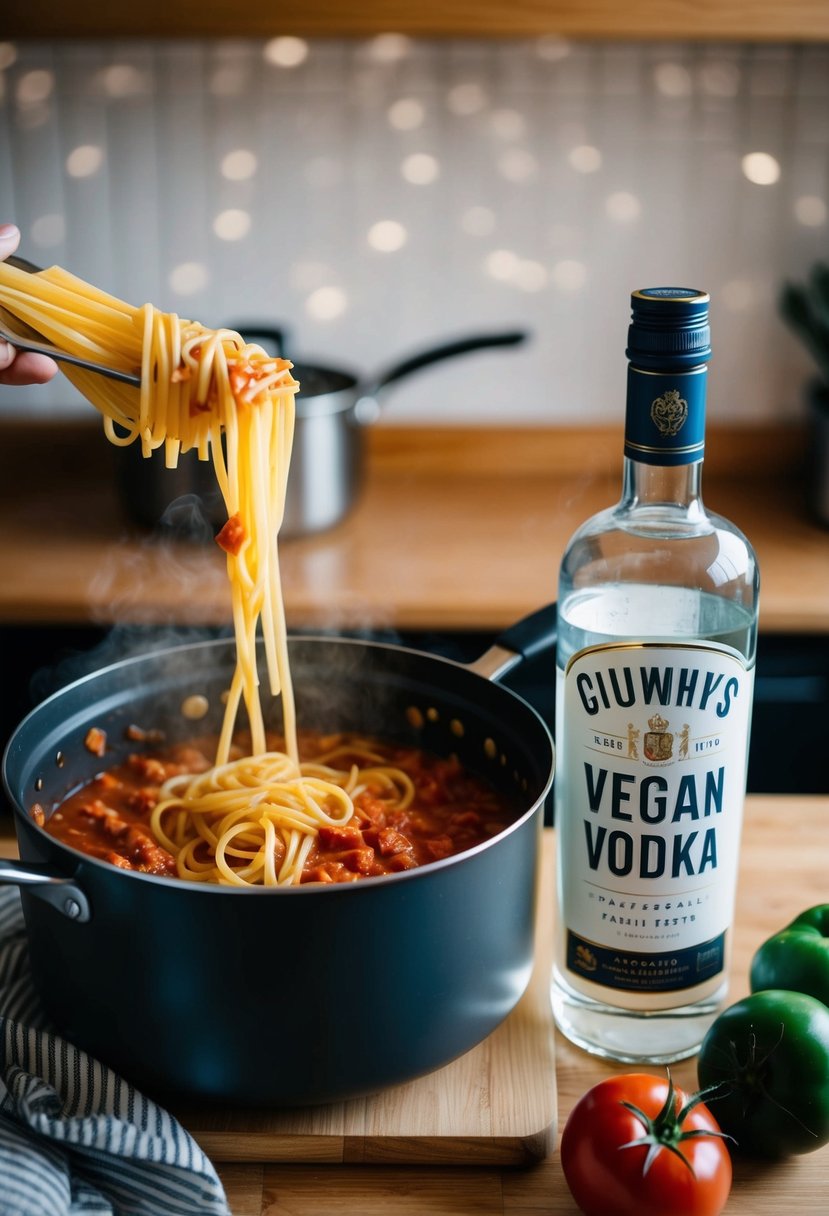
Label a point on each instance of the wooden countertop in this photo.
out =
(798, 20)
(785, 836)
(457, 528)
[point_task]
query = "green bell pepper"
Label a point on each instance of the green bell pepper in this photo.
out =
(769, 1053)
(797, 957)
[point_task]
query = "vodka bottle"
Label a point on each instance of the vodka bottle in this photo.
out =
(655, 670)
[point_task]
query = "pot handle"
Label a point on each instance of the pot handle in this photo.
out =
(367, 407)
(42, 883)
(531, 636)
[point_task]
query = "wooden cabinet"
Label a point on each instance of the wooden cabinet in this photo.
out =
(742, 20)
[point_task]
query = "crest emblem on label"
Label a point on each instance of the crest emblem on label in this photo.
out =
(659, 742)
(585, 958)
(669, 412)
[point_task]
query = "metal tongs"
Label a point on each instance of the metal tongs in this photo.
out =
(40, 346)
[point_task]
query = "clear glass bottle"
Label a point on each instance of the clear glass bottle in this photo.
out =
(655, 668)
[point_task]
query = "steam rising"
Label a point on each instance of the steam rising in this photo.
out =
(171, 591)
(179, 561)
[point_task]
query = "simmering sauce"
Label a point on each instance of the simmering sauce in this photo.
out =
(451, 811)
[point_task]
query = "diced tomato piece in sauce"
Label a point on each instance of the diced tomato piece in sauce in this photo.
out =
(330, 871)
(95, 741)
(232, 536)
(138, 735)
(143, 800)
(370, 809)
(347, 836)
(96, 809)
(149, 855)
(465, 821)
(431, 792)
(245, 375)
(190, 759)
(401, 821)
(115, 826)
(400, 861)
(451, 810)
(439, 847)
(387, 841)
(115, 859)
(148, 768)
(359, 860)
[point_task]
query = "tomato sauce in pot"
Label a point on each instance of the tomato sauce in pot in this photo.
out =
(451, 811)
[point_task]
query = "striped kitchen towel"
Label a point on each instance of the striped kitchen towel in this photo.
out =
(74, 1137)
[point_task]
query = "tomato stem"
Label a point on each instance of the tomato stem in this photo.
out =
(665, 1129)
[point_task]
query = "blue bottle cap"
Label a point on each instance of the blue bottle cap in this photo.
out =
(669, 328)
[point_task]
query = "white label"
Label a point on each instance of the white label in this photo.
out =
(653, 764)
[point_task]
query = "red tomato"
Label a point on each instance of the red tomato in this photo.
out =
(666, 1157)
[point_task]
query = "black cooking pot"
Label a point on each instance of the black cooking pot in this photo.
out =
(286, 996)
(333, 407)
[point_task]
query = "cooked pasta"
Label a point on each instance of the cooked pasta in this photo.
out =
(196, 384)
(254, 820)
(250, 820)
(361, 808)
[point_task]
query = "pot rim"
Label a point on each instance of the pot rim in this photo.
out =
(326, 405)
(80, 860)
(336, 400)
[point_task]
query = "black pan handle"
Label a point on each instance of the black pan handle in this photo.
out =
(367, 407)
(436, 354)
(276, 337)
(532, 635)
(43, 883)
(445, 350)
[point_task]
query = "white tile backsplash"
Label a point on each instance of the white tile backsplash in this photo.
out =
(548, 180)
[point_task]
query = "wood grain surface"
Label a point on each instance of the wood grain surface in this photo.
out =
(454, 529)
(783, 869)
(757, 20)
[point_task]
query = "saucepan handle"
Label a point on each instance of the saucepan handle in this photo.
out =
(41, 882)
(371, 391)
(446, 350)
(531, 636)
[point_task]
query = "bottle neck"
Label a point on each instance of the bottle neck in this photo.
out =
(665, 438)
(656, 485)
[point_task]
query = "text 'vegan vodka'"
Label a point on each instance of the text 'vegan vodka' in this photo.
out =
(657, 635)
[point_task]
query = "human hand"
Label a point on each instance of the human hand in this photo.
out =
(23, 367)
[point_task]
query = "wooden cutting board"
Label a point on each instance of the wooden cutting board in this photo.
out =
(495, 1105)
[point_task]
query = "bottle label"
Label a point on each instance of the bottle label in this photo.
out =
(653, 760)
(665, 419)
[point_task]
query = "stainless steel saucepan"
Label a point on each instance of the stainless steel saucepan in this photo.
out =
(334, 406)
